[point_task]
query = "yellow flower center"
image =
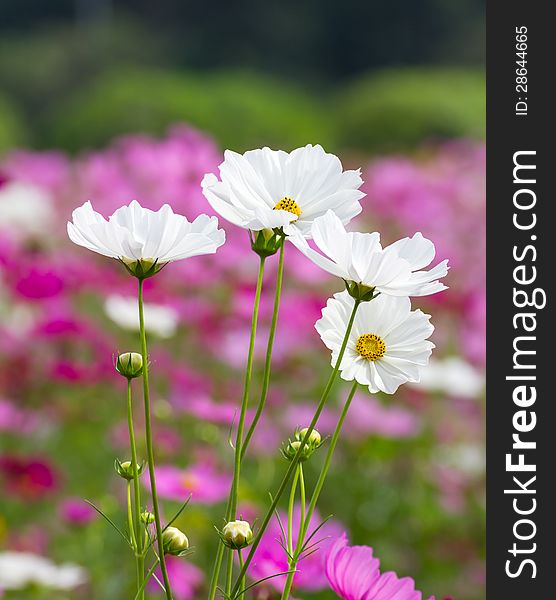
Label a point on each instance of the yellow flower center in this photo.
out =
(370, 346)
(290, 205)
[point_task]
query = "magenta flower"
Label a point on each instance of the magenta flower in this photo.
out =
(37, 284)
(17, 420)
(353, 573)
(26, 478)
(444, 198)
(205, 484)
(270, 557)
(76, 511)
(185, 578)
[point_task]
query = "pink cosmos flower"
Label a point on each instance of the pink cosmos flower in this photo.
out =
(185, 579)
(76, 511)
(37, 284)
(443, 196)
(17, 420)
(368, 416)
(270, 557)
(205, 484)
(26, 478)
(353, 573)
(206, 409)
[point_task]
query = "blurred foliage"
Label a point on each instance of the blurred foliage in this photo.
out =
(39, 69)
(12, 129)
(317, 40)
(396, 109)
(79, 85)
(240, 109)
(389, 111)
(42, 66)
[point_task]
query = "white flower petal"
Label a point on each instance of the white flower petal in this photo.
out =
(403, 331)
(134, 233)
(417, 250)
(360, 259)
(252, 184)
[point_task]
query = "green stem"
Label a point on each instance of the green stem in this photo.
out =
(269, 347)
(149, 442)
(130, 524)
(334, 440)
(293, 464)
(291, 504)
(230, 571)
(243, 581)
(141, 591)
(292, 559)
(232, 500)
(246, 388)
(137, 535)
(316, 493)
(302, 495)
(216, 570)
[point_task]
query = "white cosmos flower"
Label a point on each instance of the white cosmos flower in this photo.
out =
(453, 376)
(359, 258)
(136, 234)
(19, 570)
(387, 345)
(25, 209)
(266, 189)
(160, 320)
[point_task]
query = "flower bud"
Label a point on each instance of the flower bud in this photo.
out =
(360, 292)
(266, 242)
(237, 534)
(129, 364)
(175, 542)
(147, 517)
(142, 268)
(291, 448)
(125, 469)
(314, 438)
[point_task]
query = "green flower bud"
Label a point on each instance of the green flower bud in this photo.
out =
(314, 438)
(237, 534)
(130, 364)
(175, 542)
(291, 448)
(360, 292)
(142, 268)
(147, 517)
(125, 469)
(266, 242)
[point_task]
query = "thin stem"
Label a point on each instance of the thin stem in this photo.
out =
(293, 557)
(293, 464)
(141, 591)
(246, 388)
(314, 498)
(216, 569)
(149, 441)
(291, 504)
(302, 498)
(232, 500)
(328, 459)
(269, 347)
(243, 581)
(136, 536)
(130, 524)
(230, 571)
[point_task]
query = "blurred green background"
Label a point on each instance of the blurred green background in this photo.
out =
(363, 76)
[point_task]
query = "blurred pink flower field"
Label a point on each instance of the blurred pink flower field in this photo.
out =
(408, 476)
